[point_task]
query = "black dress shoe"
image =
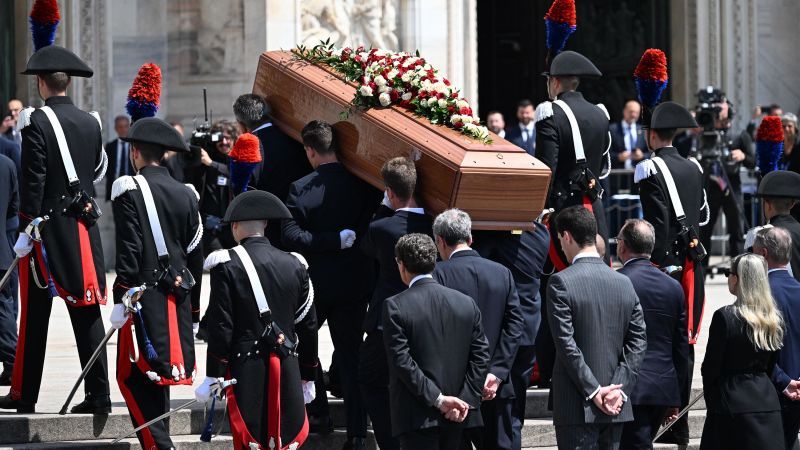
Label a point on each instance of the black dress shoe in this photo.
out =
(93, 405)
(320, 424)
(22, 407)
(5, 378)
(355, 443)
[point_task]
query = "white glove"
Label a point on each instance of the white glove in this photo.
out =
(203, 392)
(309, 392)
(386, 201)
(347, 238)
(119, 316)
(23, 246)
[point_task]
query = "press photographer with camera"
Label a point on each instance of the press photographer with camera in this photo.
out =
(722, 153)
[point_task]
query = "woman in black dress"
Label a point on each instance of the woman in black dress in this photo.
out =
(743, 408)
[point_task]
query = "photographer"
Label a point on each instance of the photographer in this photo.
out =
(213, 183)
(722, 153)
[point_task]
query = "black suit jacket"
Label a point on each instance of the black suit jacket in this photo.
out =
(283, 161)
(12, 150)
(524, 255)
(663, 373)
(111, 173)
(9, 203)
(322, 204)
(618, 143)
(514, 135)
(379, 243)
(434, 344)
(492, 287)
(791, 225)
(786, 292)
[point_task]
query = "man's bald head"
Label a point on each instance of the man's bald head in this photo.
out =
(774, 244)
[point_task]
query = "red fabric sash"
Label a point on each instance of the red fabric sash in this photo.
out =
(124, 366)
(687, 282)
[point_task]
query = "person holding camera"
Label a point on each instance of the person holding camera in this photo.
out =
(722, 155)
(213, 184)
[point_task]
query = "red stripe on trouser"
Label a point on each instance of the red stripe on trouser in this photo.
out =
(90, 282)
(19, 359)
(124, 351)
(175, 350)
(274, 400)
(552, 252)
(688, 284)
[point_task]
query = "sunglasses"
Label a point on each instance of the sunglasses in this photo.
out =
(727, 272)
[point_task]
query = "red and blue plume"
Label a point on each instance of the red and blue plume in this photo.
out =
(244, 157)
(651, 77)
(144, 95)
(560, 22)
(769, 144)
(44, 18)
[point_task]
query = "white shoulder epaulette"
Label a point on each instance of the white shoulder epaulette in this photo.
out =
(25, 118)
(301, 258)
(192, 188)
(605, 111)
(644, 169)
(544, 110)
(216, 258)
(696, 163)
(96, 115)
(122, 185)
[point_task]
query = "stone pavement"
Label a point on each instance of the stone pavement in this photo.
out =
(62, 368)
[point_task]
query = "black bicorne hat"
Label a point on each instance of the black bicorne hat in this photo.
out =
(670, 115)
(256, 205)
(53, 59)
(152, 130)
(569, 63)
(780, 183)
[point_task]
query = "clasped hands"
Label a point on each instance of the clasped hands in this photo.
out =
(453, 408)
(792, 392)
(609, 399)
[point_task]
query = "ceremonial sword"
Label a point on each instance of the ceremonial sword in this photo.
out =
(218, 390)
(680, 414)
(33, 227)
(128, 299)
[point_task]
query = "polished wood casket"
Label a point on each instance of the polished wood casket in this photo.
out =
(499, 185)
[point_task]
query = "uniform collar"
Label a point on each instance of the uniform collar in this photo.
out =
(58, 100)
(254, 239)
(160, 170)
(569, 95)
(331, 166)
(667, 151)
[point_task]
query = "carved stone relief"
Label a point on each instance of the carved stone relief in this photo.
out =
(350, 22)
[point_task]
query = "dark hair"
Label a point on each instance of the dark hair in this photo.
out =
(417, 252)
(226, 126)
(639, 236)
(781, 204)
(56, 81)
(773, 107)
(318, 135)
(494, 111)
(667, 134)
(252, 110)
(570, 82)
(580, 223)
(150, 152)
(524, 103)
(400, 175)
(122, 117)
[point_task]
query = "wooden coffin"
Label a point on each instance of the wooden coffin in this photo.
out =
(499, 185)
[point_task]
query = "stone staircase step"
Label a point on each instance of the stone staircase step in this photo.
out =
(694, 444)
(536, 404)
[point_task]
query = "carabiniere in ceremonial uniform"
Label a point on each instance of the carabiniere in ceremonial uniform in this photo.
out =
(62, 158)
(262, 330)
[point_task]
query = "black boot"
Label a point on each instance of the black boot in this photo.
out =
(320, 424)
(22, 407)
(100, 404)
(355, 443)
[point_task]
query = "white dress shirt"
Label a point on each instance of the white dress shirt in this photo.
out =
(419, 277)
(527, 131)
(589, 254)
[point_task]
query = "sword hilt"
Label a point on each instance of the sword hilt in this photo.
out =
(33, 231)
(131, 298)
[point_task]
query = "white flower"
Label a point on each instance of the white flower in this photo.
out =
(462, 104)
(406, 77)
(385, 99)
(466, 119)
(365, 91)
(337, 53)
(442, 103)
(392, 74)
(431, 102)
(407, 96)
(384, 88)
(427, 66)
(364, 56)
(455, 118)
(380, 81)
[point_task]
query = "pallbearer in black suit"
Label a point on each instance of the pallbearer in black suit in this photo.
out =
(779, 193)
(397, 216)
(492, 287)
(331, 210)
(437, 352)
(524, 254)
(62, 158)
(261, 296)
(673, 201)
(158, 230)
(775, 245)
(657, 394)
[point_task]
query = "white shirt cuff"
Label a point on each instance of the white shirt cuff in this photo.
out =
(624, 397)
(591, 396)
(438, 402)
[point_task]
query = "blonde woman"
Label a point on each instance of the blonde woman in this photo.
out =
(743, 343)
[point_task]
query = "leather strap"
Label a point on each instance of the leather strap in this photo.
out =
(674, 198)
(152, 216)
(580, 155)
(255, 282)
(66, 158)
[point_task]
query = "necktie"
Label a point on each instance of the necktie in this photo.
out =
(524, 135)
(125, 158)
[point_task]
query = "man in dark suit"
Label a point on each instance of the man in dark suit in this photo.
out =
(119, 161)
(331, 209)
(9, 204)
(627, 138)
(775, 245)
(600, 345)
(8, 146)
(657, 394)
(282, 158)
(491, 285)
(524, 255)
(437, 353)
(523, 135)
(397, 216)
(779, 193)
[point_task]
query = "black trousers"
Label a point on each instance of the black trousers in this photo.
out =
(8, 321)
(545, 348)
(436, 438)
(520, 377)
(639, 434)
(145, 401)
(497, 431)
(87, 324)
(730, 201)
(790, 413)
(373, 379)
(344, 322)
(589, 437)
(679, 433)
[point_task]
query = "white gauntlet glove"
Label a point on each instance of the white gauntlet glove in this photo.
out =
(309, 391)
(119, 316)
(203, 392)
(23, 246)
(347, 238)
